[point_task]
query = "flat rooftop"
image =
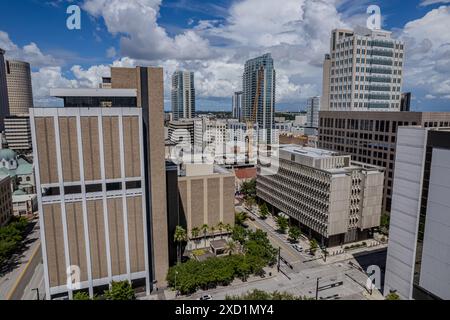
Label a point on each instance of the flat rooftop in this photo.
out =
(308, 151)
(93, 92)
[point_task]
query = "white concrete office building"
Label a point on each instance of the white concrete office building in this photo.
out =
(330, 197)
(418, 258)
(363, 71)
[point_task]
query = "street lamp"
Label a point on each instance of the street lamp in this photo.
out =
(176, 290)
(317, 288)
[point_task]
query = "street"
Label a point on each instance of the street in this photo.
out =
(340, 277)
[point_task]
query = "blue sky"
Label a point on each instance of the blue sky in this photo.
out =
(214, 38)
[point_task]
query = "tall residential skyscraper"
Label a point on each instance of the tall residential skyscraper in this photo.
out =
(237, 105)
(4, 102)
(20, 93)
(418, 257)
(312, 112)
(258, 100)
(183, 95)
(365, 71)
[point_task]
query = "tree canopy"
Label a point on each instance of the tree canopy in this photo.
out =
(120, 291)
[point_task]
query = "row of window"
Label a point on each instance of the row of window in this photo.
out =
(92, 188)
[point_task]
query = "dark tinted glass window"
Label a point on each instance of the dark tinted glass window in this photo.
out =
(114, 186)
(72, 190)
(90, 188)
(133, 185)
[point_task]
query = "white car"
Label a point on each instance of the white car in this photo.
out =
(297, 247)
(206, 297)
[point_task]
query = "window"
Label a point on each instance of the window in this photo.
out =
(91, 188)
(48, 192)
(133, 185)
(114, 186)
(72, 190)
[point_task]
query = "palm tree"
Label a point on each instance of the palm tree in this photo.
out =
(180, 237)
(194, 233)
(220, 227)
(213, 229)
(228, 228)
(231, 247)
(204, 228)
(240, 218)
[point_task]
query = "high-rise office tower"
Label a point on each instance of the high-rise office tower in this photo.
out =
(4, 102)
(237, 105)
(370, 137)
(312, 112)
(20, 93)
(365, 71)
(18, 133)
(325, 98)
(418, 257)
(258, 100)
(183, 95)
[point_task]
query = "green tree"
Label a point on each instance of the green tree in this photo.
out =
(282, 224)
(221, 227)
(384, 223)
(195, 232)
(263, 211)
(240, 218)
(294, 233)
(213, 232)
(256, 295)
(204, 228)
(180, 237)
(239, 234)
(249, 202)
(11, 237)
(248, 189)
(230, 247)
(228, 228)
(313, 246)
(393, 296)
(81, 296)
(121, 290)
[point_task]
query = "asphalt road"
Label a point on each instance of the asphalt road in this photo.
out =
(337, 280)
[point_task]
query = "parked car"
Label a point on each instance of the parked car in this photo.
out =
(297, 247)
(206, 297)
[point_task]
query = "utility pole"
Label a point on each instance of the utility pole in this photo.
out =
(37, 293)
(317, 288)
(279, 259)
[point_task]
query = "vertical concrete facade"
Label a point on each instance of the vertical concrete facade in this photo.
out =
(149, 83)
(93, 221)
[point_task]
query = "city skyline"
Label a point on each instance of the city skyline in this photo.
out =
(212, 40)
